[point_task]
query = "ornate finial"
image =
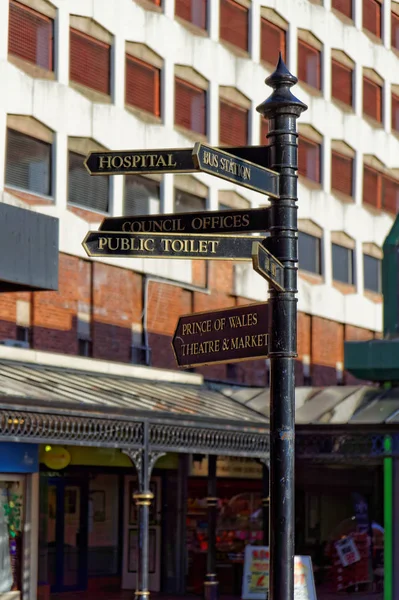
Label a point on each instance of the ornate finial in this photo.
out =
(281, 81)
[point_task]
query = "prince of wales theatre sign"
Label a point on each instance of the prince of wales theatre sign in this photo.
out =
(241, 332)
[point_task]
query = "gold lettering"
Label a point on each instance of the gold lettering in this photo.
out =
(102, 242)
(177, 245)
(127, 161)
(116, 244)
(171, 162)
(255, 318)
(245, 220)
(125, 243)
(152, 159)
(147, 245)
(161, 162)
(202, 246)
(117, 162)
(108, 161)
(126, 226)
(136, 160)
(166, 244)
(213, 244)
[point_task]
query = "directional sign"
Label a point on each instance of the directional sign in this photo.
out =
(168, 160)
(227, 166)
(164, 245)
(223, 221)
(268, 266)
(226, 335)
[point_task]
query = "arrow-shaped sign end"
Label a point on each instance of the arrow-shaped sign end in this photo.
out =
(85, 162)
(84, 243)
(196, 151)
(255, 257)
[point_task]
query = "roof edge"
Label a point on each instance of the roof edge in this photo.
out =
(93, 365)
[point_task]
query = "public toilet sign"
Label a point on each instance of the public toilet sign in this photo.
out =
(163, 245)
(268, 266)
(222, 163)
(226, 335)
(223, 221)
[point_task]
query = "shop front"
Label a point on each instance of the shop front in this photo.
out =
(18, 520)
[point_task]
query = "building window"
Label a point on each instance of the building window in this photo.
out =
(142, 196)
(309, 64)
(344, 7)
(143, 85)
(85, 347)
(380, 191)
(234, 23)
(264, 130)
(342, 263)
(89, 62)
(341, 82)
(309, 253)
(233, 124)
(185, 202)
(372, 273)
(395, 30)
(342, 173)
(372, 95)
(372, 16)
(30, 36)
(395, 112)
(193, 11)
(272, 42)
(309, 159)
(88, 192)
(190, 106)
(13, 544)
(28, 163)
(23, 334)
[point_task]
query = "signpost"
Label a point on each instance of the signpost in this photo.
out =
(164, 245)
(227, 166)
(268, 266)
(169, 160)
(239, 333)
(220, 221)
(225, 335)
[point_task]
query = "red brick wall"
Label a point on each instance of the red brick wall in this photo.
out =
(112, 298)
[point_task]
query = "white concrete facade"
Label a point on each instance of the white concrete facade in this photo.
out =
(70, 114)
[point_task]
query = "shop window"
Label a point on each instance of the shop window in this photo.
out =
(142, 196)
(30, 35)
(83, 190)
(28, 163)
(185, 202)
(343, 6)
(309, 253)
(342, 173)
(395, 112)
(143, 85)
(309, 64)
(395, 30)
(89, 62)
(190, 106)
(372, 273)
(103, 524)
(233, 124)
(234, 23)
(343, 264)
(273, 41)
(372, 16)
(341, 82)
(372, 99)
(193, 11)
(11, 535)
(309, 159)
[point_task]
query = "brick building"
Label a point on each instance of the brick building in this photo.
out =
(82, 76)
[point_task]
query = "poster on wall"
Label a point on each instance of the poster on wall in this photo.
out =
(255, 582)
(347, 551)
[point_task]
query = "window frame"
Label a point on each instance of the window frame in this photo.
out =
(319, 254)
(100, 43)
(12, 186)
(45, 18)
(394, 98)
(84, 206)
(317, 53)
(319, 147)
(190, 22)
(282, 32)
(379, 118)
(239, 108)
(183, 82)
(350, 70)
(157, 86)
(345, 157)
(378, 35)
(379, 262)
(351, 265)
(178, 209)
(245, 10)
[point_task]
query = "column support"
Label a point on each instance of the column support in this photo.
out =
(282, 110)
(211, 583)
(144, 461)
(265, 501)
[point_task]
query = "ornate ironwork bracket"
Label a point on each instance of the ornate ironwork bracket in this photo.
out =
(144, 461)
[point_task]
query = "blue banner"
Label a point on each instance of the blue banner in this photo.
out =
(19, 458)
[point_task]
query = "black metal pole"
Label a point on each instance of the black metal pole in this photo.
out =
(282, 109)
(265, 503)
(211, 583)
(143, 499)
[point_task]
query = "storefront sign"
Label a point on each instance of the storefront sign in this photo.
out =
(255, 583)
(228, 466)
(347, 551)
(19, 458)
(56, 457)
